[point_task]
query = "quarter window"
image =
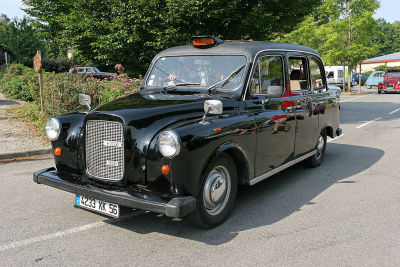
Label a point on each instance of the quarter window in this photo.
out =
(268, 76)
(316, 77)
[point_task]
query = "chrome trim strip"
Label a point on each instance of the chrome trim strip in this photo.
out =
(281, 168)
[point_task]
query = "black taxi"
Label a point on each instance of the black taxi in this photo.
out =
(208, 116)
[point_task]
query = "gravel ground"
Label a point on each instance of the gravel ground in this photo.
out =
(15, 135)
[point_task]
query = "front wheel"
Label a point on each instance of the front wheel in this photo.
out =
(217, 195)
(317, 158)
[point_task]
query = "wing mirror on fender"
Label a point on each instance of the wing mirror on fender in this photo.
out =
(85, 100)
(212, 107)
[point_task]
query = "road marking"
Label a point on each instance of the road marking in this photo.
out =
(362, 125)
(394, 111)
(334, 139)
(82, 228)
(352, 98)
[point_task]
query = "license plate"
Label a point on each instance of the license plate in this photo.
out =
(101, 206)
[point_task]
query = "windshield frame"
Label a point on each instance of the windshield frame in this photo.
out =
(235, 90)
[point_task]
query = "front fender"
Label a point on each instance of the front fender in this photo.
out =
(201, 144)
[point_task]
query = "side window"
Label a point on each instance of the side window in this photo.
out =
(268, 76)
(298, 73)
(316, 77)
(330, 75)
(340, 73)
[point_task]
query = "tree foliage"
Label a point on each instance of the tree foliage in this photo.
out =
(130, 32)
(388, 37)
(19, 39)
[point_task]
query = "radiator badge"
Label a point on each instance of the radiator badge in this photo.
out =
(112, 143)
(112, 163)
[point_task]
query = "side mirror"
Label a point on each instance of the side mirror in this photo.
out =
(85, 100)
(213, 107)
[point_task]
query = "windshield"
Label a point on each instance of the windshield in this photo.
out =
(393, 74)
(199, 71)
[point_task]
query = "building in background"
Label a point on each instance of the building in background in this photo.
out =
(391, 60)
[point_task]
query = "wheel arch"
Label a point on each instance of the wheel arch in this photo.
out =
(239, 157)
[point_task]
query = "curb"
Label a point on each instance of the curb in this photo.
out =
(10, 156)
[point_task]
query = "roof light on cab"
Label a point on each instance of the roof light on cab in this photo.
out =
(205, 41)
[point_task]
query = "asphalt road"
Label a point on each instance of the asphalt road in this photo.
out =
(346, 212)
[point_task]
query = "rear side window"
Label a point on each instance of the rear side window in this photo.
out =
(298, 73)
(340, 73)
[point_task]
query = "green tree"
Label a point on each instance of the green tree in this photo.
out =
(388, 37)
(19, 39)
(130, 32)
(341, 31)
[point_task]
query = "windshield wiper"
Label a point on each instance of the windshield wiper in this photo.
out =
(225, 81)
(166, 88)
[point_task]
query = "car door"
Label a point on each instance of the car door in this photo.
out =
(275, 122)
(305, 101)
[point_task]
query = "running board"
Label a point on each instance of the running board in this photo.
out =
(281, 168)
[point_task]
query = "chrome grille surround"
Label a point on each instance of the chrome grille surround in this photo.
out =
(105, 149)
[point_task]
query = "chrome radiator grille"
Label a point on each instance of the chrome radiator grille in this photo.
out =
(105, 149)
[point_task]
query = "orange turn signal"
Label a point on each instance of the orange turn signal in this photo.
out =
(165, 169)
(57, 151)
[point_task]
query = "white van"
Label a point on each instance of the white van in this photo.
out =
(335, 75)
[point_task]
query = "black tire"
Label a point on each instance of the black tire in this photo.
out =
(317, 159)
(205, 217)
(379, 91)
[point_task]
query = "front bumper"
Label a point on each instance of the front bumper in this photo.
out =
(175, 207)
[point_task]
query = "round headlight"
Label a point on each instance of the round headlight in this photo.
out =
(53, 129)
(169, 144)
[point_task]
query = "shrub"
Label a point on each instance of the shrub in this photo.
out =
(19, 82)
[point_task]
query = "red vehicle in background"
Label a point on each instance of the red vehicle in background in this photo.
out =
(391, 82)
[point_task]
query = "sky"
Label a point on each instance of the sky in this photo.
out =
(389, 9)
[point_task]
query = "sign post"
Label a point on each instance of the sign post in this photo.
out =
(5, 56)
(37, 65)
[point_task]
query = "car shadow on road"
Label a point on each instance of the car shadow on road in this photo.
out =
(8, 102)
(269, 201)
(360, 112)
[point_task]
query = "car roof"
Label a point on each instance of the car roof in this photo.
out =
(248, 48)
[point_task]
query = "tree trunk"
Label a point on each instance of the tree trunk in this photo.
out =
(344, 80)
(349, 78)
(359, 80)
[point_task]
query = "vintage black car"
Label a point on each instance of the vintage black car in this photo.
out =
(208, 116)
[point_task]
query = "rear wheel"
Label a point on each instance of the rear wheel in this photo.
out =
(217, 195)
(317, 159)
(379, 91)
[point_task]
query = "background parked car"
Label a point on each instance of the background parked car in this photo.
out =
(391, 82)
(374, 79)
(94, 72)
(364, 77)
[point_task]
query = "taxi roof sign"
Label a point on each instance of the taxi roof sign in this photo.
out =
(205, 41)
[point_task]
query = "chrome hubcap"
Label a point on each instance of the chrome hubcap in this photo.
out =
(217, 190)
(320, 145)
